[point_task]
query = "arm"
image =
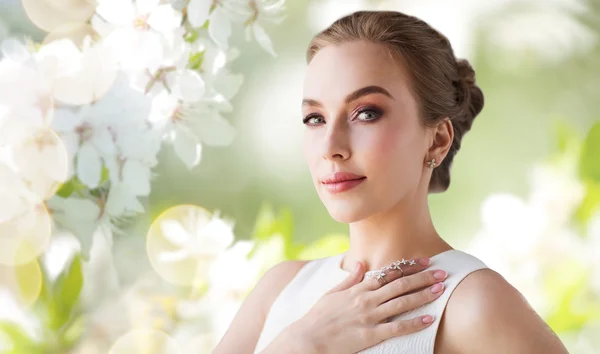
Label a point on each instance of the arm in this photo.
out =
(244, 331)
(289, 342)
(488, 315)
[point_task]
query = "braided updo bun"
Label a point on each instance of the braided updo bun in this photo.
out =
(469, 99)
(443, 85)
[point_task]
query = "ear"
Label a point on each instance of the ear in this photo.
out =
(442, 136)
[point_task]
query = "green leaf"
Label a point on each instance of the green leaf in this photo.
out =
(569, 293)
(66, 189)
(326, 246)
(74, 332)
(191, 36)
(29, 280)
(590, 204)
(265, 223)
(567, 137)
(72, 186)
(65, 293)
(589, 163)
(19, 340)
(284, 226)
(105, 175)
(196, 60)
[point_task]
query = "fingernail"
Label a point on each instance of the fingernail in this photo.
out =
(356, 266)
(437, 287)
(424, 261)
(440, 274)
(427, 319)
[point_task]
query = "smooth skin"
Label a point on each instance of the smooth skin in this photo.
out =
(361, 116)
(350, 317)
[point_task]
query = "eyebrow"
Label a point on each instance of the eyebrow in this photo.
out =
(353, 96)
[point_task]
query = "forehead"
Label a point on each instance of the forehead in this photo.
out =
(337, 70)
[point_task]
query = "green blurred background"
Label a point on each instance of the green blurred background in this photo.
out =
(537, 62)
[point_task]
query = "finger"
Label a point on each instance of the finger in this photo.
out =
(352, 279)
(405, 285)
(406, 303)
(411, 267)
(397, 328)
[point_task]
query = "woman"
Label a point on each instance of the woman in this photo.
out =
(386, 105)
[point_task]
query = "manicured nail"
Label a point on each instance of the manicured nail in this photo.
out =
(437, 287)
(427, 319)
(440, 274)
(424, 261)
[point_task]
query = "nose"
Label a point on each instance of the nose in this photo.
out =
(337, 143)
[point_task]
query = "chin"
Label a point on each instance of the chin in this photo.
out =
(346, 212)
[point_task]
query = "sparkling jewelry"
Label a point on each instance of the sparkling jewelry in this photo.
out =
(431, 163)
(380, 276)
(380, 273)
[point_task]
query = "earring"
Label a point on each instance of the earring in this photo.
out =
(431, 163)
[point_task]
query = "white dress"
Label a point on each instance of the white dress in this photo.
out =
(320, 275)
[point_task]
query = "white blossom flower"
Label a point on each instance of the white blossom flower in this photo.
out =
(138, 30)
(43, 162)
(87, 139)
(26, 103)
(189, 124)
(522, 239)
(165, 76)
(136, 147)
(60, 251)
(78, 215)
(234, 263)
(50, 14)
(196, 235)
(227, 12)
(25, 224)
(77, 77)
(198, 12)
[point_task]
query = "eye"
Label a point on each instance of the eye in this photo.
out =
(312, 119)
(368, 114)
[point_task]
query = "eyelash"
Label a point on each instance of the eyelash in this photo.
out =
(375, 110)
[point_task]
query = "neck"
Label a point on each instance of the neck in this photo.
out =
(405, 231)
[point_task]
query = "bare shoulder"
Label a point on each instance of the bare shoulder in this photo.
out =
(246, 326)
(275, 279)
(486, 314)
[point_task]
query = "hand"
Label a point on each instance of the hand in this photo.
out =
(353, 315)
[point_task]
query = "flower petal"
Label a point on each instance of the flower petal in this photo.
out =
(189, 86)
(173, 231)
(103, 141)
(165, 19)
(228, 84)
(136, 177)
(172, 257)
(214, 130)
(263, 38)
(197, 12)
(187, 147)
(117, 12)
(219, 27)
(89, 166)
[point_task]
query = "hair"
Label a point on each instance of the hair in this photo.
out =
(443, 85)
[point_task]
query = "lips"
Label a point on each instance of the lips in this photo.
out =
(341, 177)
(342, 181)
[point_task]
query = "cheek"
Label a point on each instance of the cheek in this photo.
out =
(309, 150)
(391, 152)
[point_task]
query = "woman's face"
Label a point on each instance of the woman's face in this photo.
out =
(360, 117)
